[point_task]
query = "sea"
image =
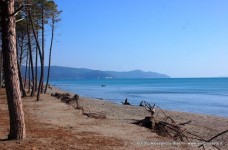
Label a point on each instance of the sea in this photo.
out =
(195, 95)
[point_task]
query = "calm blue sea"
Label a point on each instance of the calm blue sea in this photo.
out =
(197, 95)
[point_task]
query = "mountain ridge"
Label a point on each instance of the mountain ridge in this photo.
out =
(60, 72)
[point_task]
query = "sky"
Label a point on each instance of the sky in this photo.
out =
(180, 38)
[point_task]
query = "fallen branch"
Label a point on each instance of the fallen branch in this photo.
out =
(150, 108)
(169, 128)
(126, 102)
(202, 145)
(164, 127)
(74, 101)
(167, 117)
(184, 123)
(141, 103)
(95, 115)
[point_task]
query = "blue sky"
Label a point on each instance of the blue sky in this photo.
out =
(181, 38)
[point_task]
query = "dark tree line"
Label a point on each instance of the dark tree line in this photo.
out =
(23, 27)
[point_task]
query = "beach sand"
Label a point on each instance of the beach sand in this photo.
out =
(51, 124)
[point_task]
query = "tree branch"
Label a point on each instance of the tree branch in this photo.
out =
(17, 10)
(214, 137)
(184, 123)
(19, 20)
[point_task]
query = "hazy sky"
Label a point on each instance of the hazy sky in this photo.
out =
(181, 38)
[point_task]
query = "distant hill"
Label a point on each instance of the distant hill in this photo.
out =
(137, 74)
(58, 72)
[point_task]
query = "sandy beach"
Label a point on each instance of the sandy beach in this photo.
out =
(52, 124)
(145, 75)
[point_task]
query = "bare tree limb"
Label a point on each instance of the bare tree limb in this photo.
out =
(19, 20)
(217, 135)
(17, 10)
(214, 137)
(167, 117)
(184, 123)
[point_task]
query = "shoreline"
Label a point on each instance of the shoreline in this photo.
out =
(57, 89)
(57, 125)
(203, 125)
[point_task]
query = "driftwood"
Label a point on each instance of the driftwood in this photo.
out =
(74, 101)
(60, 95)
(65, 97)
(90, 115)
(168, 127)
(141, 103)
(184, 123)
(162, 128)
(206, 141)
(95, 115)
(150, 108)
(126, 102)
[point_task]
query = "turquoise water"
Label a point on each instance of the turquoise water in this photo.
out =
(197, 95)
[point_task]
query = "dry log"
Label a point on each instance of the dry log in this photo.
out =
(95, 115)
(76, 103)
(168, 127)
(126, 102)
(202, 145)
(166, 116)
(141, 103)
(184, 123)
(146, 122)
(64, 97)
(164, 127)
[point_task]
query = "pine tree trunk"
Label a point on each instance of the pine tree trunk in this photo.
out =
(21, 48)
(17, 124)
(36, 71)
(26, 66)
(1, 68)
(49, 63)
(40, 54)
(29, 77)
(21, 81)
(31, 59)
(19, 73)
(42, 66)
